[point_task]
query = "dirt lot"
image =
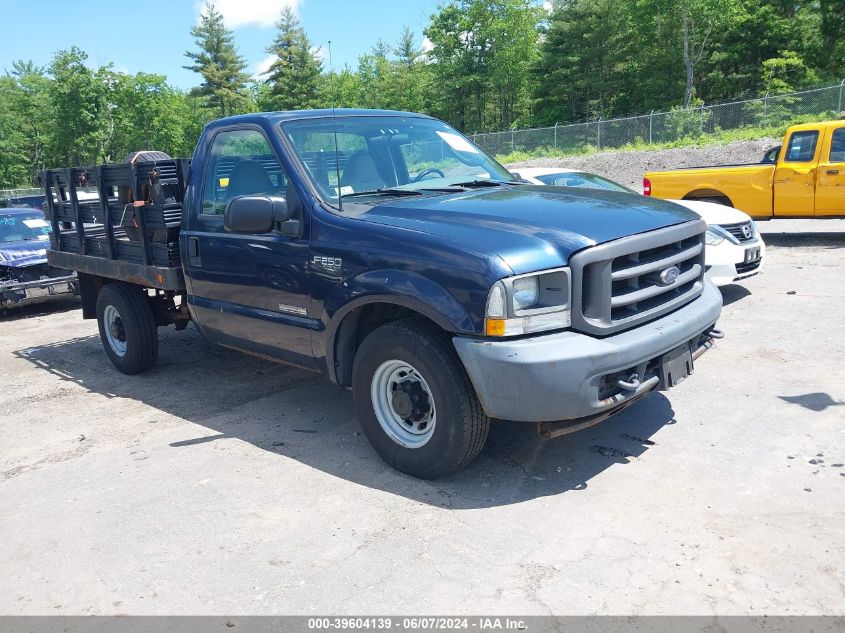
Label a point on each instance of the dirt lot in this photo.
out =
(222, 484)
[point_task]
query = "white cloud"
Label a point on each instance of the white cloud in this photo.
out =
(263, 67)
(242, 12)
(547, 5)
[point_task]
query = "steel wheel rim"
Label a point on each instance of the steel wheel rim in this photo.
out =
(392, 382)
(115, 333)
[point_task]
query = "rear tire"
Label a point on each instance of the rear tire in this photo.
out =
(127, 327)
(415, 402)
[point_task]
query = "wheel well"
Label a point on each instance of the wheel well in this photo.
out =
(357, 325)
(709, 195)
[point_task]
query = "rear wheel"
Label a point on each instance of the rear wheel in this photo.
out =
(127, 327)
(415, 402)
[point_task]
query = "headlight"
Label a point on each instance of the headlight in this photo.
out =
(526, 292)
(712, 237)
(529, 303)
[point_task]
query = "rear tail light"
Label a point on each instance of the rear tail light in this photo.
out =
(646, 187)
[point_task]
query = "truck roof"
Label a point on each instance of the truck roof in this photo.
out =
(293, 115)
(822, 125)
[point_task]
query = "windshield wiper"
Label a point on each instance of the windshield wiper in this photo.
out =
(482, 183)
(388, 191)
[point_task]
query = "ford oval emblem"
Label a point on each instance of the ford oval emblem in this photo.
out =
(668, 276)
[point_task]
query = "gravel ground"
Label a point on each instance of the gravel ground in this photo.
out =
(628, 167)
(221, 484)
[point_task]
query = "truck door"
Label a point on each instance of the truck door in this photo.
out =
(830, 185)
(794, 179)
(248, 291)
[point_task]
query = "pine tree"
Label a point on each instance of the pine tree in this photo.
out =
(218, 61)
(294, 76)
(406, 49)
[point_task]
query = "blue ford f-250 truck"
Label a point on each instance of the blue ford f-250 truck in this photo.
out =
(389, 252)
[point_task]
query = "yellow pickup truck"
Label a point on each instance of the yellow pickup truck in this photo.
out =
(806, 180)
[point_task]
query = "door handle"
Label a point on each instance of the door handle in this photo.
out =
(832, 172)
(194, 251)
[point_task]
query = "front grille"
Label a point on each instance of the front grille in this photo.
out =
(739, 230)
(742, 269)
(617, 285)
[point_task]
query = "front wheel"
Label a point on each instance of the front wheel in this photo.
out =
(127, 327)
(415, 402)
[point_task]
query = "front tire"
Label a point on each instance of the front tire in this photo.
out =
(415, 402)
(127, 327)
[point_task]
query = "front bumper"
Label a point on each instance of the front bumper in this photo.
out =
(564, 376)
(725, 262)
(27, 292)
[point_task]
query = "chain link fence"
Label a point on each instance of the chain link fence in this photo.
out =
(666, 127)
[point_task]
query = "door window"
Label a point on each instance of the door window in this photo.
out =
(241, 163)
(837, 146)
(802, 147)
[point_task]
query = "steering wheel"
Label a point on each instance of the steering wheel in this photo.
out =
(426, 172)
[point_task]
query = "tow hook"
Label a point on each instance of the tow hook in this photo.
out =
(631, 384)
(717, 334)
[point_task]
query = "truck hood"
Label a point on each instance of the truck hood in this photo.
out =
(25, 253)
(530, 227)
(713, 213)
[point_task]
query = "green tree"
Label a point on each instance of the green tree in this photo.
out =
(81, 122)
(221, 66)
(377, 79)
(481, 57)
(581, 71)
(699, 21)
(340, 89)
(294, 76)
(411, 82)
(831, 49)
(148, 114)
(786, 73)
(13, 154)
(753, 33)
(29, 102)
(407, 51)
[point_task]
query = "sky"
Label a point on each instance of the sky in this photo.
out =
(153, 35)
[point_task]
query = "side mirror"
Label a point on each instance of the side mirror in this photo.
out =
(255, 214)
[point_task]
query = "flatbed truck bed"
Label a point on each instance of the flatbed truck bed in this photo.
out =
(129, 232)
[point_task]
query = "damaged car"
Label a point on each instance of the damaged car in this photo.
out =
(25, 275)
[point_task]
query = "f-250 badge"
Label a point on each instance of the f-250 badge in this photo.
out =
(328, 265)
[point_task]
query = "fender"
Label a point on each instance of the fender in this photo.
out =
(395, 287)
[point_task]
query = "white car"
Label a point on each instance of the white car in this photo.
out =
(735, 248)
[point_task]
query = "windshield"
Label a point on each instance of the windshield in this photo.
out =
(18, 227)
(403, 154)
(581, 179)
